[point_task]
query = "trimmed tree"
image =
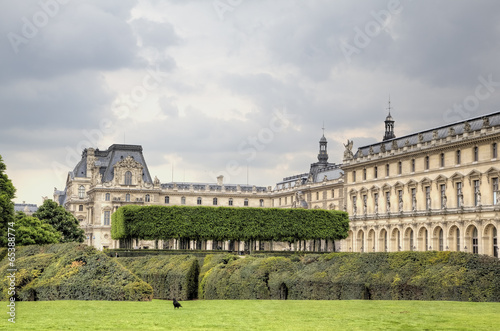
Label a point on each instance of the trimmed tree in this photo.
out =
(32, 231)
(7, 193)
(62, 220)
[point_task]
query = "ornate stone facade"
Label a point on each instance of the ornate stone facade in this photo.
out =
(433, 190)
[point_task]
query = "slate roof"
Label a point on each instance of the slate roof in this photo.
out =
(29, 207)
(107, 159)
(427, 135)
(212, 187)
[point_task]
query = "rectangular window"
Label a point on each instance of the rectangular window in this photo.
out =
(426, 163)
(459, 195)
(412, 165)
(388, 201)
(495, 191)
(387, 170)
(428, 197)
(476, 154)
(354, 176)
(317, 197)
(400, 168)
(375, 200)
(414, 199)
(333, 193)
(400, 200)
(442, 188)
(458, 157)
(364, 174)
(375, 172)
(107, 217)
(476, 193)
(441, 160)
(494, 151)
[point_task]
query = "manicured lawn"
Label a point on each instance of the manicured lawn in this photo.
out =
(253, 315)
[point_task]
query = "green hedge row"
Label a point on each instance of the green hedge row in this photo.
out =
(227, 223)
(174, 276)
(71, 271)
(432, 275)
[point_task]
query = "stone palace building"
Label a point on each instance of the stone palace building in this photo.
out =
(432, 190)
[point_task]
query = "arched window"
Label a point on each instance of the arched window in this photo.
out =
(183, 200)
(128, 178)
(147, 198)
(230, 201)
(198, 201)
(261, 202)
(214, 201)
(441, 239)
(245, 203)
(167, 199)
(495, 243)
(107, 197)
(475, 242)
(81, 192)
(411, 241)
(127, 197)
(458, 239)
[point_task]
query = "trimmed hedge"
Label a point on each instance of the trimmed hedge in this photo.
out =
(174, 276)
(71, 271)
(453, 276)
(227, 223)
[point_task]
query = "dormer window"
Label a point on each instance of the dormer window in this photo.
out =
(81, 192)
(128, 178)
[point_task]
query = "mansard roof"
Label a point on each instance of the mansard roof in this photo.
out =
(457, 128)
(107, 159)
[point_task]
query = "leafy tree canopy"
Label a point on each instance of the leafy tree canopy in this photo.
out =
(32, 231)
(62, 220)
(7, 193)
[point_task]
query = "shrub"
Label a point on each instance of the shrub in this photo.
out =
(72, 272)
(174, 276)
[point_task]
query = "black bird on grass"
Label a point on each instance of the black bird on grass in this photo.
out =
(176, 304)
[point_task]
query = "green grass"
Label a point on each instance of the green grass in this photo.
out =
(253, 315)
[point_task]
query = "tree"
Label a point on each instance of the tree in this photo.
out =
(32, 231)
(7, 193)
(62, 220)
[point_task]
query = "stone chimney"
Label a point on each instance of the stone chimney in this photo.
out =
(220, 180)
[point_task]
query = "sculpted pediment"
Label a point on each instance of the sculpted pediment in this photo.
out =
(129, 163)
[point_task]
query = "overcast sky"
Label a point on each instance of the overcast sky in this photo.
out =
(222, 86)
